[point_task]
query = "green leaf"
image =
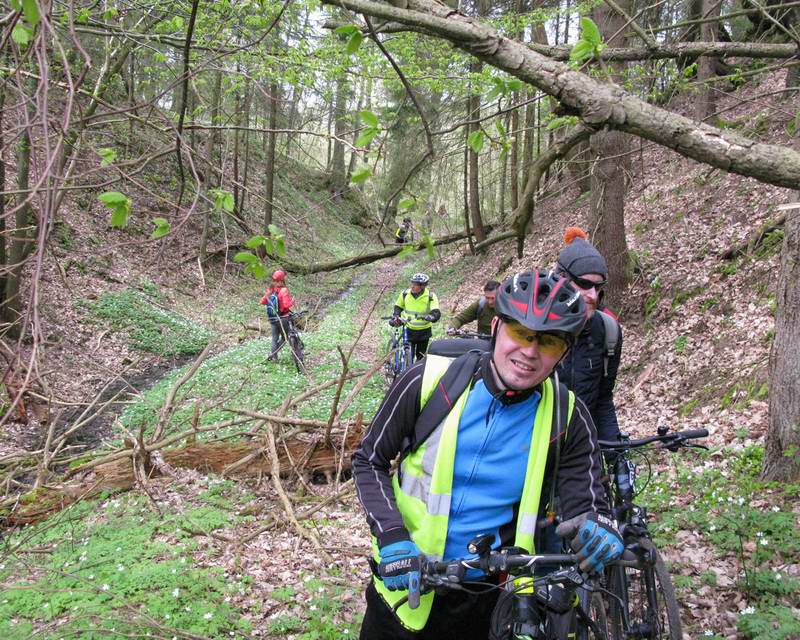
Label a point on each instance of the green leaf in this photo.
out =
(407, 251)
(793, 126)
(83, 15)
(361, 175)
(499, 88)
(347, 30)
(21, 34)
(515, 84)
(245, 256)
(31, 12)
(366, 136)
(581, 51)
(258, 270)
(280, 246)
(428, 244)
(354, 43)
(228, 203)
(590, 32)
(269, 246)
(255, 242)
(476, 140)
(119, 218)
(162, 228)
(273, 230)
(112, 199)
(406, 203)
(108, 155)
(563, 121)
(500, 128)
(112, 12)
(16, 5)
(369, 118)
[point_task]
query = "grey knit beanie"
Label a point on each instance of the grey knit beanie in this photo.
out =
(579, 257)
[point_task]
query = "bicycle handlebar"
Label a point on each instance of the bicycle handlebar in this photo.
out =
(463, 333)
(670, 440)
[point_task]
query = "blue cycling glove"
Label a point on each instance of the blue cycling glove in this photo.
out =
(595, 540)
(400, 565)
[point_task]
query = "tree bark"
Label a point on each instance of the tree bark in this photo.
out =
(706, 102)
(782, 454)
(609, 176)
(597, 104)
(269, 169)
(338, 179)
(473, 113)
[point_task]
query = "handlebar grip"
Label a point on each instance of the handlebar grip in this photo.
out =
(693, 433)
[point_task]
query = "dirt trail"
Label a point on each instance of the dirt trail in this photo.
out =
(383, 274)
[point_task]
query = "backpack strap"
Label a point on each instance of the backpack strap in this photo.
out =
(561, 412)
(611, 340)
(449, 388)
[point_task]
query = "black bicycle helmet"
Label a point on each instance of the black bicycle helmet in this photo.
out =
(420, 278)
(542, 301)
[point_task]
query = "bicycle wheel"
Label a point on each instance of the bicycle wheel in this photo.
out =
(408, 358)
(595, 608)
(299, 353)
(649, 608)
(390, 366)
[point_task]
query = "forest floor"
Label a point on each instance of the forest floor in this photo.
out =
(202, 556)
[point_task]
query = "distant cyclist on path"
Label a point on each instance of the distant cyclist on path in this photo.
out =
(279, 303)
(419, 307)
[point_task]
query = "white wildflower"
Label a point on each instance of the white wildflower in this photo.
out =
(176, 592)
(208, 616)
(747, 611)
(105, 587)
(763, 542)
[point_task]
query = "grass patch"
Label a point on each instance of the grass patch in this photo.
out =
(115, 568)
(150, 327)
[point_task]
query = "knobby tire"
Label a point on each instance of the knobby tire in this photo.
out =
(638, 588)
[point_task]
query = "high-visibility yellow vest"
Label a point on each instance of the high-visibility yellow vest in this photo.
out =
(423, 496)
(413, 308)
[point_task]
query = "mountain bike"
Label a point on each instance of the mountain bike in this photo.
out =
(401, 355)
(294, 340)
(641, 600)
(530, 606)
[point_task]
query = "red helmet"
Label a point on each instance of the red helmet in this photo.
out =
(279, 275)
(542, 301)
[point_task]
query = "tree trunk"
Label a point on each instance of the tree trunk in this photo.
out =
(338, 179)
(473, 113)
(706, 101)
(236, 136)
(514, 155)
(467, 228)
(211, 181)
(609, 177)
(2, 188)
(269, 170)
(782, 455)
(248, 102)
(21, 240)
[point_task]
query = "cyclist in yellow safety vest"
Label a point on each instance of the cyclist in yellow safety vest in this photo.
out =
(514, 451)
(418, 306)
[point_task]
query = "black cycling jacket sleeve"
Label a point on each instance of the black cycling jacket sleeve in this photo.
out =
(605, 412)
(435, 314)
(397, 310)
(372, 460)
(579, 471)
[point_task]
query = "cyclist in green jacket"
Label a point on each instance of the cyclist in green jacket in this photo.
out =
(418, 307)
(481, 310)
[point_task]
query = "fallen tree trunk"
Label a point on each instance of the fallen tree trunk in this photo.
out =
(374, 256)
(754, 240)
(311, 456)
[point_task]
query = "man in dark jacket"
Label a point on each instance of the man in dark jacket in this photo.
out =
(481, 310)
(590, 368)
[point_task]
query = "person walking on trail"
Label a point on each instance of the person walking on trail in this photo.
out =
(590, 368)
(279, 303)
(418, 307)
(477, 440)
(402, 235)
(482, 310)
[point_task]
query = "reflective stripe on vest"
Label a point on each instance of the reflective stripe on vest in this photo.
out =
(415, 307)
(423, 497)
